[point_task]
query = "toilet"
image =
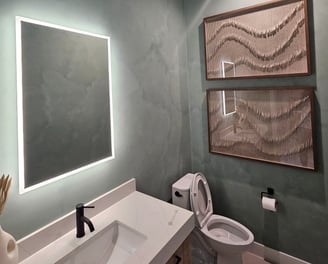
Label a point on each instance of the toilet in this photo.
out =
(228, 238)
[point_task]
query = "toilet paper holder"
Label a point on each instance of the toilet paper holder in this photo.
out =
(268, 193)
(268, 201)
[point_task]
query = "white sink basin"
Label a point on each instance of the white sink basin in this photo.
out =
(123, 234)
(113, 245)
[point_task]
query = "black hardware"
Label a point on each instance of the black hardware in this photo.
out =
(178, 194)
(81, 219)
(178, 259)
(269, 192)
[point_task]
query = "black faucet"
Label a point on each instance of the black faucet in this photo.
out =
(81, 219)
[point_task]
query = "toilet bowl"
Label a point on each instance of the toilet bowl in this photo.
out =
(228, 238)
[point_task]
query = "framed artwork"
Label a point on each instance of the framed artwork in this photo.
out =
(265, 40)
(266, 124)
(65, 122)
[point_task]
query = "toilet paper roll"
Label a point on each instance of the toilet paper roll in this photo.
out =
(269, 203)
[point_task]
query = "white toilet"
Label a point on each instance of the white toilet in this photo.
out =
(228, 238)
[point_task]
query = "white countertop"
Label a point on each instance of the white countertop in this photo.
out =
(166, 226)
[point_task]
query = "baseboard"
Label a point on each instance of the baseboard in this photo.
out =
(260, 254)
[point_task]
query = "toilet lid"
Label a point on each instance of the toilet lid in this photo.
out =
(200, 199)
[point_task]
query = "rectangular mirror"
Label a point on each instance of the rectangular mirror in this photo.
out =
(64, 101)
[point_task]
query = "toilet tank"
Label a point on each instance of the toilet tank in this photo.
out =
(181, 191)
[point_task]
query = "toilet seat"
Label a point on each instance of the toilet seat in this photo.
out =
(201, 199)
(217, 228)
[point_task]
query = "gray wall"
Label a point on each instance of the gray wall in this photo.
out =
(150, 106)
(300, 227)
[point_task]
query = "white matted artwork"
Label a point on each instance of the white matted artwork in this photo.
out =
(266, 124)
(265, 40)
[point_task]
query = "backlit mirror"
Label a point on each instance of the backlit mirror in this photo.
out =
(64, 101)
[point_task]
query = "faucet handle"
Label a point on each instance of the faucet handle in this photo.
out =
(81, 205)
(89, 206)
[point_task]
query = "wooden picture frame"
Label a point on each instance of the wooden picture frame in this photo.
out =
(267, 124)
(265, 40)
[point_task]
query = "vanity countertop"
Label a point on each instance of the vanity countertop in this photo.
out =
(166, 226)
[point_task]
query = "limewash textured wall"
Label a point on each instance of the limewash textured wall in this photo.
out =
(300, 227)
(151, 123)
(151, 90)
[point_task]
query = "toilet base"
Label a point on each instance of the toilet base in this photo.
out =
(229, 259)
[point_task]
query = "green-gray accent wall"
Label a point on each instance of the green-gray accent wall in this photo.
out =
(160, 121)
(300, 227)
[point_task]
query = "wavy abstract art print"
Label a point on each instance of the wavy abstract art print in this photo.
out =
(266, 124)
(265, 40)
